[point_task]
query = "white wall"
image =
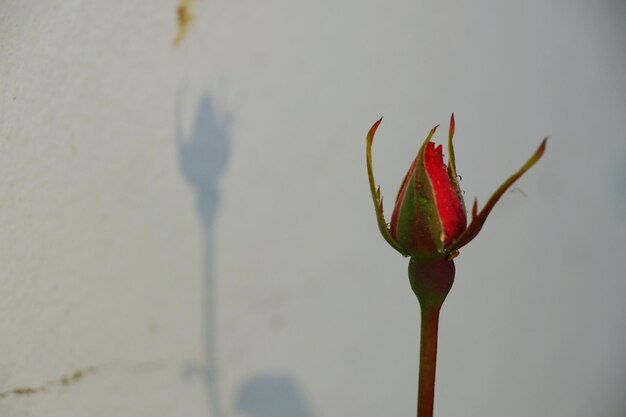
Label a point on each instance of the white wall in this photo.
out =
(165, 210)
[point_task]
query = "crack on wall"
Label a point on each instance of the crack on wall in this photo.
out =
(76, 376)
(64, 380)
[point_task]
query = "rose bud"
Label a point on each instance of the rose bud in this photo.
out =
(429, 220)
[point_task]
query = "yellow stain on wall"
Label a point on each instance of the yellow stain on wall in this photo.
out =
(184, 18)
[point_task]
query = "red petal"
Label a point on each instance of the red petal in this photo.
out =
(449, 206)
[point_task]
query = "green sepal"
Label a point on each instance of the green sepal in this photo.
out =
(451, 159)
(419, 228)
(478, 219)
(375, 191)
(452, 163)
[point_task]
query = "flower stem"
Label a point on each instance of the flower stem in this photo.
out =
(428, 361)
(431, 280)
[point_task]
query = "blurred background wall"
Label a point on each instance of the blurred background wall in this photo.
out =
(186, 228)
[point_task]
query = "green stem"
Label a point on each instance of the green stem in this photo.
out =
(431, 281)
(428, 361)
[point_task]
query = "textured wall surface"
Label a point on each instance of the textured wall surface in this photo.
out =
(186, 230)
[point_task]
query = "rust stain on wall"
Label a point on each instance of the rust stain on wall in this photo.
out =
(27, 390)
(78, 375)
(62, 381)
(184, 18)
(75, 377)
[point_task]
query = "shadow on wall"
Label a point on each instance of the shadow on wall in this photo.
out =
(272, 396)
(203, 156)
(622, 183)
